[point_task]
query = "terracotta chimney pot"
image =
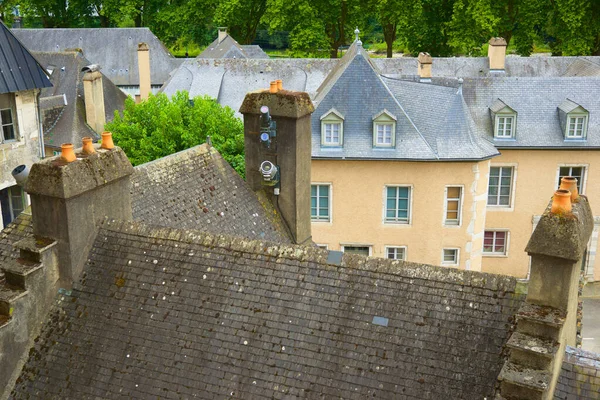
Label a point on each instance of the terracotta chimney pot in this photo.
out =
(107, 141)
(88, 147)
(570, 183)
(273, 88)
(561, 202)
(67, 153)
(279, 84)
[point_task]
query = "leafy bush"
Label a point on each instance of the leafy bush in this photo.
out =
(161, 126)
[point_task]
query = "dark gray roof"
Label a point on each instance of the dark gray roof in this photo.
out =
(228, 47)
(67, 123)
(432, 121)
(18, 69)
(114, 49)
(580, 376)
(198, 189)
(537, 101)
(183, 314)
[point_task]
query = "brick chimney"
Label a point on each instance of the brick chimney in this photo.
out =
(497, 54)
(93, 92)
(222, 33)
(68, 199)
(424, 63)
(546, 323)
(277, 130)
(143, 53)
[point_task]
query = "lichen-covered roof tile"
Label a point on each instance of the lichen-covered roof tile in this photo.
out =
(179, 313)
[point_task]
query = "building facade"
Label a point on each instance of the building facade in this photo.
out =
(21, 79)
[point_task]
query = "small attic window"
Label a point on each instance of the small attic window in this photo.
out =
(332, 129)
(573, 119)
(384, 130)
(504, 119)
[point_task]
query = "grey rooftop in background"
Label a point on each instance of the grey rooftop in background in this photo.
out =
(114, 49)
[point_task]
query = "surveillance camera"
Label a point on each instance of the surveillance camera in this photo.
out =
(268, 170)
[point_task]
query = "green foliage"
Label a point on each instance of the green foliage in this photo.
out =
(242, 17)
(321, 27)
(161, 126)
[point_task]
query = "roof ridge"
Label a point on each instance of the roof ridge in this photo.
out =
(315, 255)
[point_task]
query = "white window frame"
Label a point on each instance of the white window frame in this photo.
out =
(575, 116)
(582, 184)
(12, 123)
(460, 205)
(513, 125)
(457, 259)
(370, 246)
(506, 243)
(322, 246)
(332, 117)
(403, 248)
(329, 205)
(384, 118)
(410, 205)
(513, 187)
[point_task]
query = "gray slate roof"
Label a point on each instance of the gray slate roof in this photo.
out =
(114, 49)
(432, 121)
(18, 69)
(580, 376)
(200, 77)
(228, 47)
(536, 100)
(20, 228)
(198, 189)
(182, 314)
(67, 123)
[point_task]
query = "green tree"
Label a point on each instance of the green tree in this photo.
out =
(474, 22)
(573, 27)
(315, 24)
(161, 126)
(424, 28)
(242, 17)
(390, 14)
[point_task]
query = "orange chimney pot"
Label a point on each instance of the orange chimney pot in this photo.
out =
(570, 183)
(273, 88)
(561, 202)
(279, 84)
(67, 153)
(107, 141)
(88, 147)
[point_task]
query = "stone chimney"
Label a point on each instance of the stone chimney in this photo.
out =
(222, 33)
(68, 199)
(497, 54)
(93, 92)
(424, 63)
(143, 53)
(546, 323)
(277, 130)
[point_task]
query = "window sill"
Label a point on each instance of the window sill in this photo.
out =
(449, 264)
(580, 140)
(319, 221)
(491, 255)
(508, 139)
(391, 223)
(500, 208)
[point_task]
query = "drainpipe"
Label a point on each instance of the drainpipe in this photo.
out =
(41, 128)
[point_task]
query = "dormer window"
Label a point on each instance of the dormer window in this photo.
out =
(576, 127)
(505, 120)
(332, 129)
(573, 120)
(384, 130)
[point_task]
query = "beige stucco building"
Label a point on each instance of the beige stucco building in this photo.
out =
(458, 170)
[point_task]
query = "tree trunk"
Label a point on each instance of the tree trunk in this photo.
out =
(389, 34)
(104, 21)
(333, 53)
